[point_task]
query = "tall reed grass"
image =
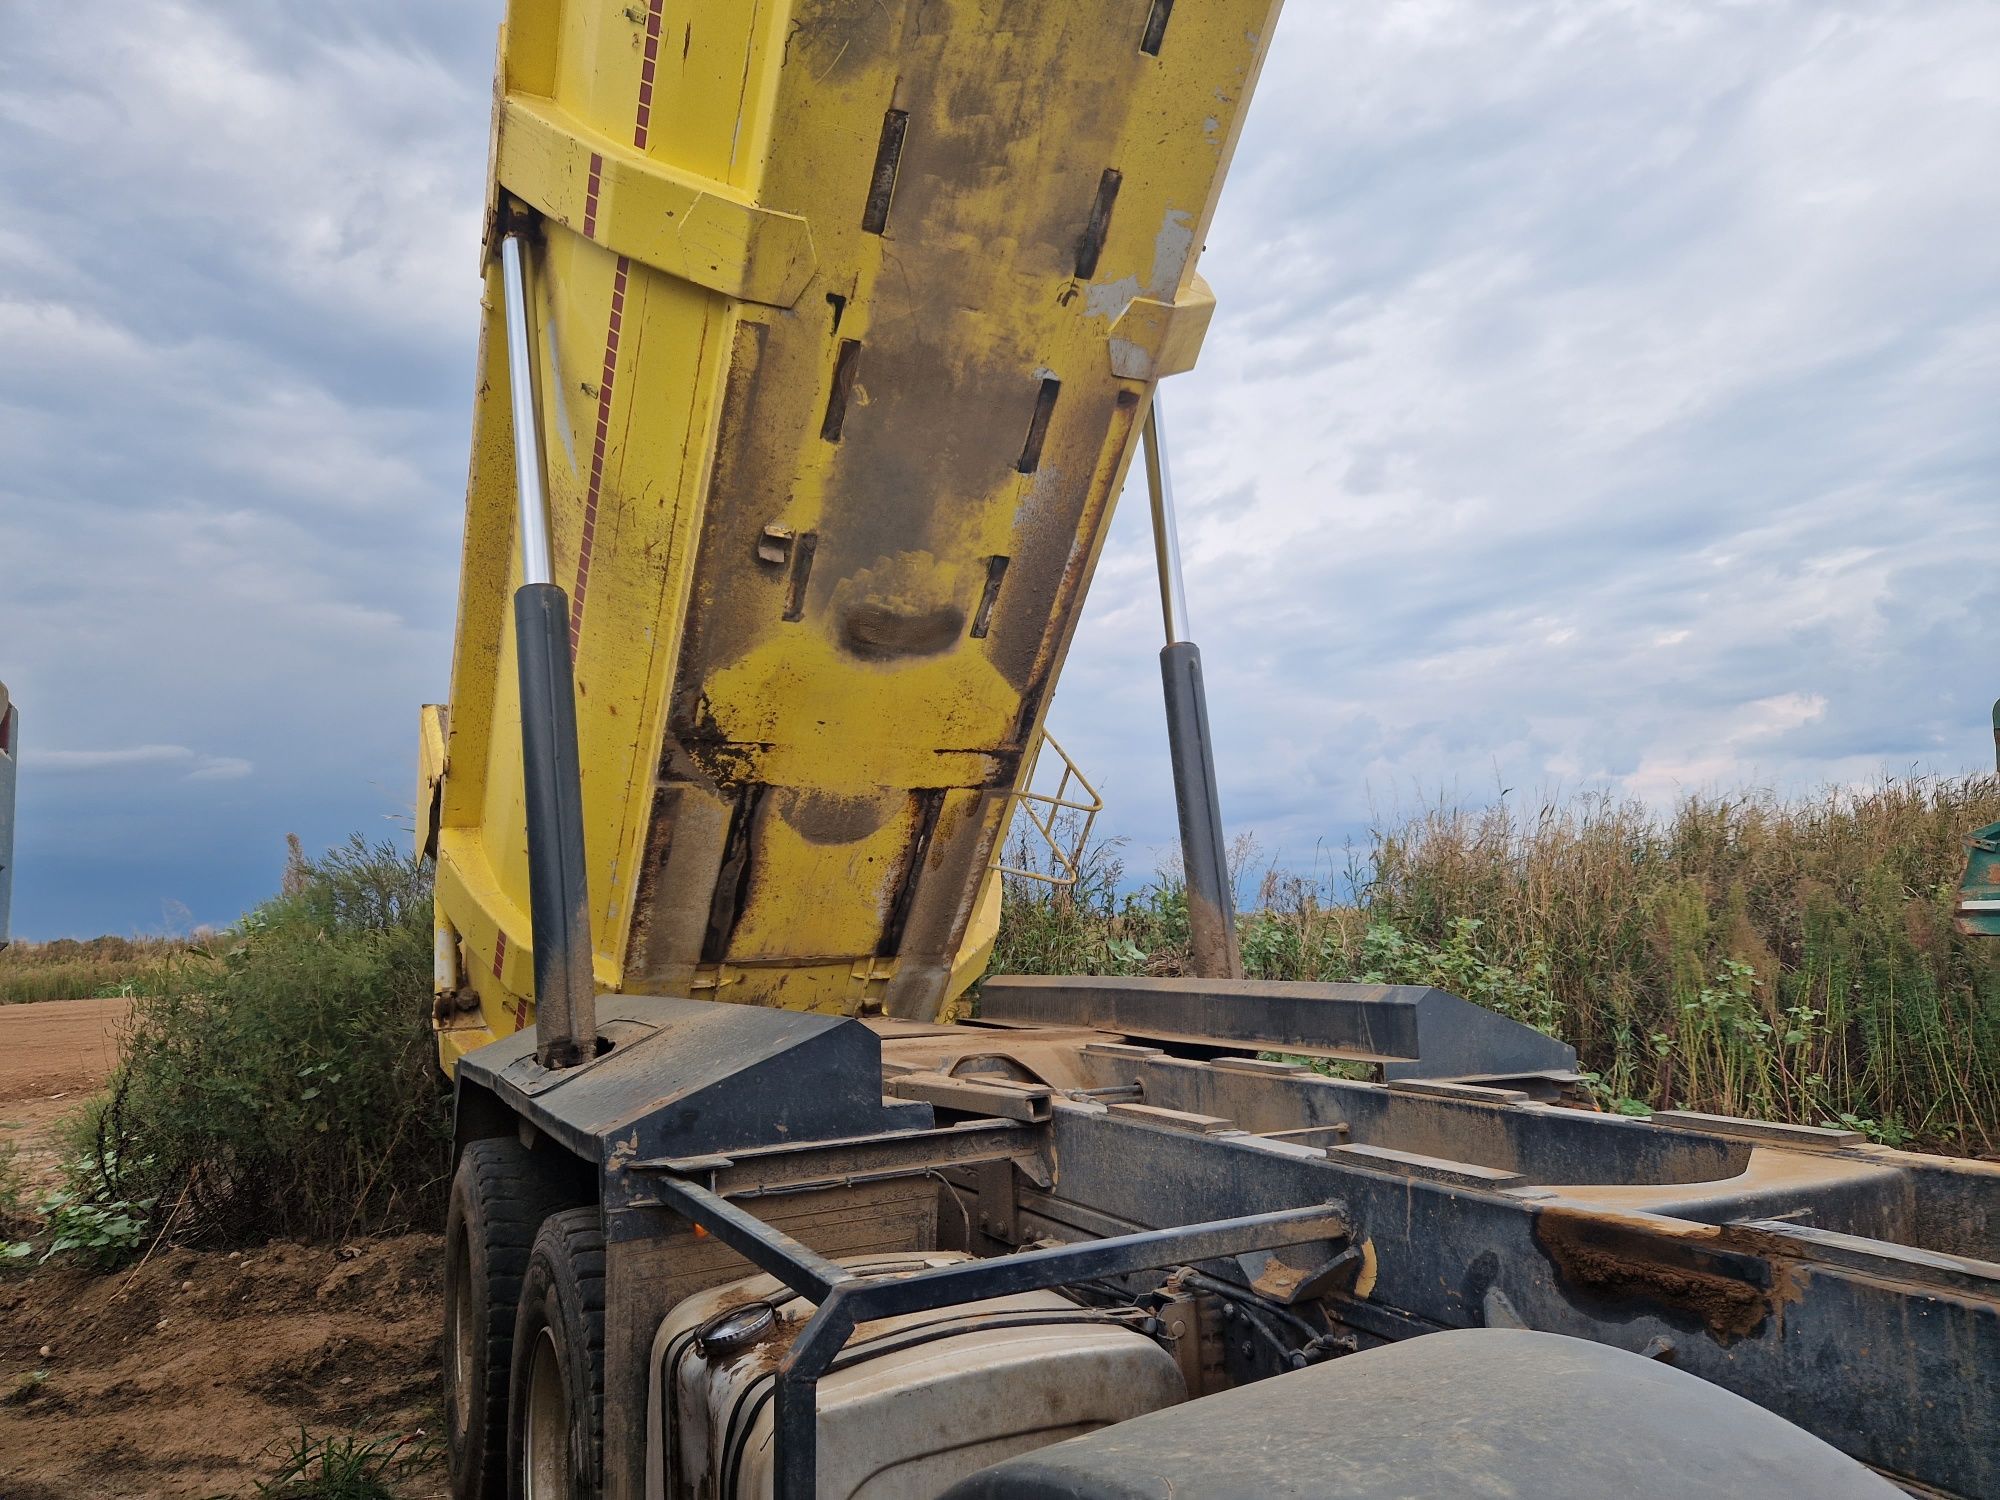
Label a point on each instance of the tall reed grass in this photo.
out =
(1791, 959)
(78, 969)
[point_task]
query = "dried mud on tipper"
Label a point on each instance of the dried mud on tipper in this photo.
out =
(192, 1374)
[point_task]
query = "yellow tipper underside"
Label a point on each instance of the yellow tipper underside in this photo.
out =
(849, 312)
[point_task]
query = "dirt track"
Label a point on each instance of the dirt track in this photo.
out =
(187, 1375)
(52, 1056)
(58, 1046)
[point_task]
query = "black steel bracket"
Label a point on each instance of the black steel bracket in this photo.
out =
(845, 1300)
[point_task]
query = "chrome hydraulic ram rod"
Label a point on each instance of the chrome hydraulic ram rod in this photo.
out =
(558, 881)
(1211, 902)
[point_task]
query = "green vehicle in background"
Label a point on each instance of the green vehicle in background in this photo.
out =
(1979, 890)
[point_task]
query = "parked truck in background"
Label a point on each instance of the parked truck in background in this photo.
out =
(818, 338)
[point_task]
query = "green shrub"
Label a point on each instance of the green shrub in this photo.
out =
(1086, 927)
(288, 1088)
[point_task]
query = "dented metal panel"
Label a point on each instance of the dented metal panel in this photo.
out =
(851, 310)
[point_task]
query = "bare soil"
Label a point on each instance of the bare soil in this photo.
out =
(191, 1374)
(54, 1045)
(53, 1055)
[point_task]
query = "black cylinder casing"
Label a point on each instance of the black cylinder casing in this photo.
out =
(558, 883)
(1211, 902)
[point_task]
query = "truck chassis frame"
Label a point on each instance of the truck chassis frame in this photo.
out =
(1849, 1288)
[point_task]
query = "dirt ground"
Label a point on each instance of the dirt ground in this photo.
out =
(58, 1044)
(52, 1057)
(192, 1374)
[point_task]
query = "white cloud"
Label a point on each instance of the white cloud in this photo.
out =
(194, 765)
(99, 760)
(1584, 377)
(221, 768)
(238, 297)
(1667, 772)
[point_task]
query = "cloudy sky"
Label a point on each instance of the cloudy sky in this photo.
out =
(1603, 395)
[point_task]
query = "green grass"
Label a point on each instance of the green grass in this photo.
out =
(346, 1466)
(1791, 960)
(287, 1087)
(15, 1208)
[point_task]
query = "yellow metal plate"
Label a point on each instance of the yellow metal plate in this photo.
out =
(850, 311)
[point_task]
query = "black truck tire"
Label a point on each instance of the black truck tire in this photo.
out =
(555, 1406)
(500, 1195)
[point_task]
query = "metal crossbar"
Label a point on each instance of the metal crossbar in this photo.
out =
(846, 1300)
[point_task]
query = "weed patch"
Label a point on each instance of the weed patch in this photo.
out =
(287, 1088)
(15, 1219)
(345, 1466)
(1791, 960)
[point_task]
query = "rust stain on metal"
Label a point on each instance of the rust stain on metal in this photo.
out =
(1278, 1280)
(1695, 1276)
(1209, 926)
(929, 807)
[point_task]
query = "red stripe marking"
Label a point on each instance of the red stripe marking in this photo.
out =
(602, 440)
(520, 1014)
(641, 126)
(499, 951)
(590, 196)
(646, 69)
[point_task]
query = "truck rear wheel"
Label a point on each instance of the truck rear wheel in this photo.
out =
(555, 1420)
(499, 1197)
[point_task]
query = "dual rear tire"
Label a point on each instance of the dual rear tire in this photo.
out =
(556, 1417)
(524, 1331)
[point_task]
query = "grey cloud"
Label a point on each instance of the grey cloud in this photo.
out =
(238, 293)
(1600, 397)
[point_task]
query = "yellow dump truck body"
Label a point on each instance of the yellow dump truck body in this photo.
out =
(849, 312)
